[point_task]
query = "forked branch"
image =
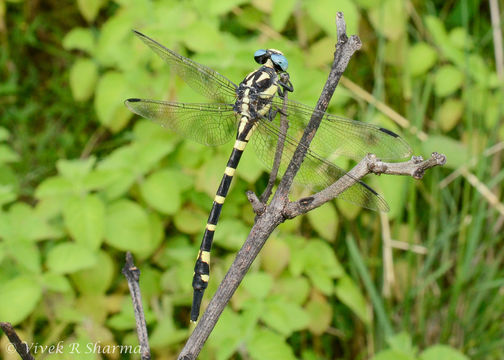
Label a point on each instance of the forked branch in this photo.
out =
(271, 215)
(132, 274)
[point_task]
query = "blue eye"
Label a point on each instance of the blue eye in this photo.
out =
(280, 61)
(260, 52)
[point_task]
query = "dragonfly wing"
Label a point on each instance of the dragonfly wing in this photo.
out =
(314, 170)
(341, 136)
(201, 78)
(208, 124)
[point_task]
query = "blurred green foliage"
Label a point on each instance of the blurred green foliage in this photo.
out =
(81, 182)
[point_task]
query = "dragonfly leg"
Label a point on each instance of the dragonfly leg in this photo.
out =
(285, 84)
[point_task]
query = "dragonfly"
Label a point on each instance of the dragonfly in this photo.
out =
(255, 107)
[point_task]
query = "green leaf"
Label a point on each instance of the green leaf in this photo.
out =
(222, 7)
(56, 282)
(324, 220)
(127, 227)
(190, 221)
(460, 38)
(394, 190)
(18, 298)
(321, 53)
(161, 191)
(146, 131)
(25, 253)
(448, 80)
(7, 194)
(79, 39)
(230, 332)
(111, 92)
(274, 256)
(232, 234)
(394, 355)
(54, 186)
(442, 352)
(350, 295)
(250, 168)
(456, 153)
(282, 10)
(421, 58)
(7, 155)
(449, 114)
(284, 316)
(75, 169)
(4, 133)
(115, 45)
(23, 223)
(323, 12)
(268, 345)
(85, 219)
(203, 36)
(320, 313)
(389, 18)
(98, 278)
(318, 254)
(293, 289)
(210, 174)
(68, 257)
(89, 8)
(165, 334)
(83, 77)
(402, 342)
(258, 284)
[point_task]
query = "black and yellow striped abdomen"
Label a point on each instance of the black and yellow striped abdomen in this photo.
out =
(254, 102)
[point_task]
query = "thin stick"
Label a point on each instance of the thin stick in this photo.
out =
(345, 48)
(284, 126)
(388, 257)
(415, 167)
(21, 347)
(497, 38)
(132, 274)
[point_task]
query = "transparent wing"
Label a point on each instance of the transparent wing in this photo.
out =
(202, 79)
(341, 136)
(314, 170)
(208, 124)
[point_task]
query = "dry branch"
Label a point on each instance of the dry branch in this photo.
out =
(21, 347)
(132, 274)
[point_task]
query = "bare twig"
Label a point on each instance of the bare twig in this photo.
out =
(499, 65)
(345, 48)
(497, 38)
(388, 257)
(21, 347)
(370, 164)
(284, 126)
(132, 274)
(257, 205)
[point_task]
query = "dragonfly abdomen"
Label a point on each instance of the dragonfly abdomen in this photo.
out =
(202, 267)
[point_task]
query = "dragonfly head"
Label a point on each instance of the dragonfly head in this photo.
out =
(273, 58)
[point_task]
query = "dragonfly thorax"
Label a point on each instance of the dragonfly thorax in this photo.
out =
(255, 92)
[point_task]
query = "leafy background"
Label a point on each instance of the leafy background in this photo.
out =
(82, 181)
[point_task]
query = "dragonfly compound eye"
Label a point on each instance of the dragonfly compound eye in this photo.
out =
(280, 61)
(260, 56)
